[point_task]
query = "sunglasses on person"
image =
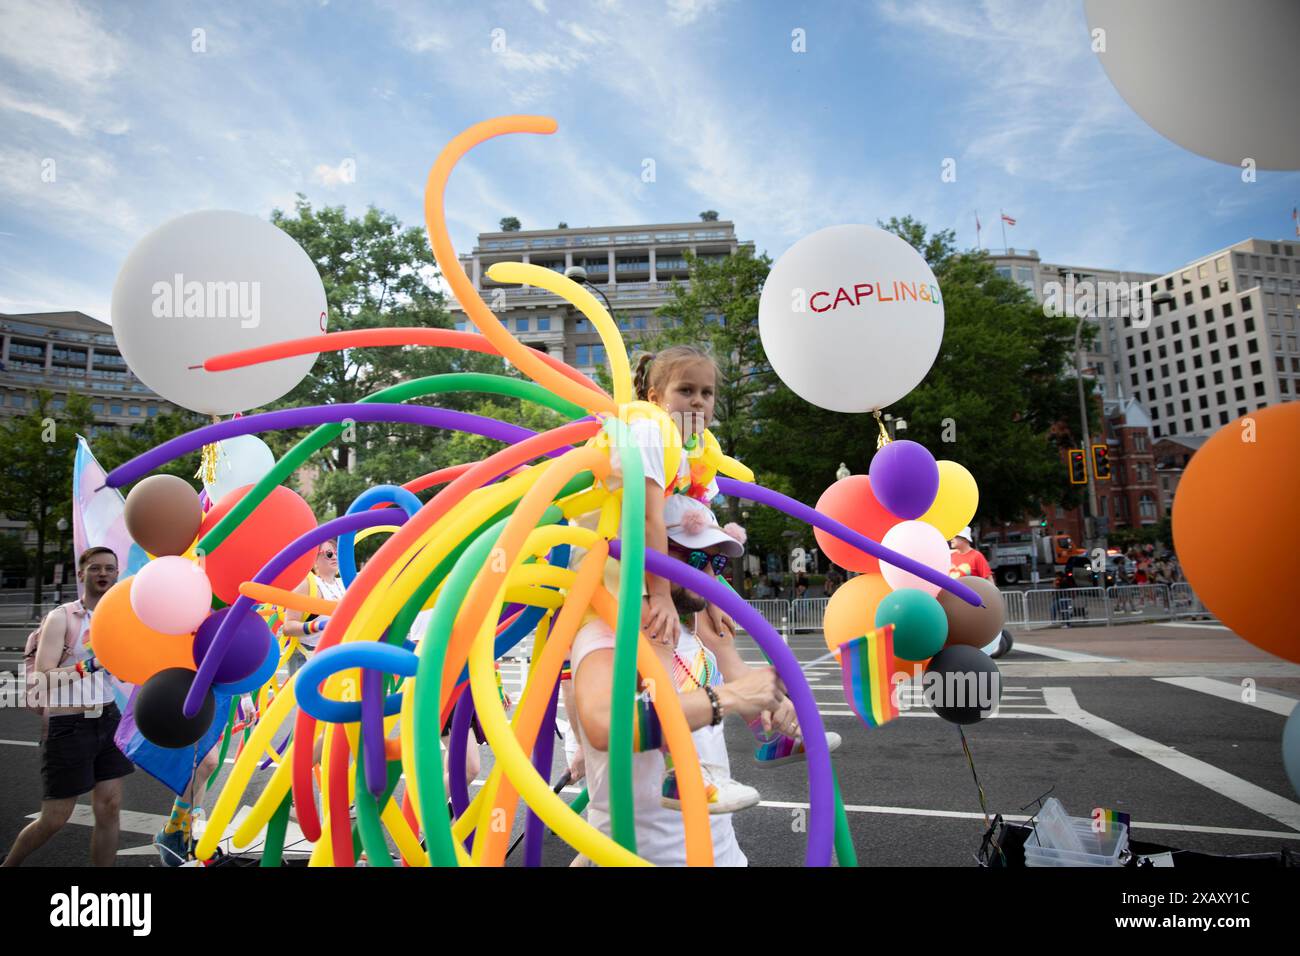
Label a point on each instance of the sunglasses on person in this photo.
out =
(327, 554)
(699, 559)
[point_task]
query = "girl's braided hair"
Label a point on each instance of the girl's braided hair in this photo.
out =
(654, 370)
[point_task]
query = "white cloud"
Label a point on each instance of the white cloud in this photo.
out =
(58, 38)
(330, 176)
(68, 122)
(686, 12)
(538, 5)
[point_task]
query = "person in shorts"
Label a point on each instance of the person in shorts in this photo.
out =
(78, 754)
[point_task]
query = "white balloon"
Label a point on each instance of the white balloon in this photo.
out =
(212, 282)
(241, 460)
(851, 318)
(1209, 75)
(921, 542)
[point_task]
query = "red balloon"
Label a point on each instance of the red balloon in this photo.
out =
(277, 521)
(851, 502)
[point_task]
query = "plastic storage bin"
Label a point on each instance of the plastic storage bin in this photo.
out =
(1096, 849)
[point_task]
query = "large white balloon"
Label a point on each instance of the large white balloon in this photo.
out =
(851, 318)
(212, 282)
(1211, 75)
(241, 460)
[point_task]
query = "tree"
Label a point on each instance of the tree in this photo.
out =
(38, 450)
(376, 274)
(510, 224)
(719, 310)
(120, 445)
(563, 225)
(709, 215)
(993, 400)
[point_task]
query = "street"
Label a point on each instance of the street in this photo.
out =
(1146, 719)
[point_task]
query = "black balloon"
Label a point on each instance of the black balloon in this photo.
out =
(962, 684)
(159, 709)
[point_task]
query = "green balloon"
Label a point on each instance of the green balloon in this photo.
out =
(920, 625)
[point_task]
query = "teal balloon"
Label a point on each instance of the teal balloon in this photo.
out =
(920, 624)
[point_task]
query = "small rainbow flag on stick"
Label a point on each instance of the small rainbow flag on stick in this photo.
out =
(866, 669)
(867, 673)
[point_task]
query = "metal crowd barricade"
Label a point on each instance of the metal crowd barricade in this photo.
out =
(807, 614)
(1058, 607)
(775, 611)
(21, 615)
(1183, 602)
(1014, 602)
(1139, 602)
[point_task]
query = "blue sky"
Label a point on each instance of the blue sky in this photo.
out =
(141, 128)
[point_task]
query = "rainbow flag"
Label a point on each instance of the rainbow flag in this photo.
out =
(1107, 819)
(866, 669)
(99, 515)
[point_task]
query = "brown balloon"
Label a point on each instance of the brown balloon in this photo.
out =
(975, 626)
(163, 514)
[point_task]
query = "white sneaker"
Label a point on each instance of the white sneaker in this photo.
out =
(725, 795)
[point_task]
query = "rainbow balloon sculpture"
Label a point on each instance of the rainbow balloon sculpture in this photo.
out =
(489, 556)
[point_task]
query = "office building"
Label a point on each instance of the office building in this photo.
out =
(634, 266)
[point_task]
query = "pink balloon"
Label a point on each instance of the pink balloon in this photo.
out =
(921, 541)
(171, 595)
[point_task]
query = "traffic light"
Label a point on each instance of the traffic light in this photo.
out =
(1101, 462)
(1078, 467)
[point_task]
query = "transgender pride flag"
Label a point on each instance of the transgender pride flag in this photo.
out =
(99, 515)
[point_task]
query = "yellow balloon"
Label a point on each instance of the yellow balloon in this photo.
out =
(955, 504)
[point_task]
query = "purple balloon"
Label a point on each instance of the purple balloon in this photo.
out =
(285, 418)
(801, 512)
(905, 478)
(246, 651)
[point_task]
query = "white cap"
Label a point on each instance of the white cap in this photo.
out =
(965, 533)
(692, 524)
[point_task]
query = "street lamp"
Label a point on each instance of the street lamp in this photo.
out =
(579, 275)
(1087, 436)
(62, 525)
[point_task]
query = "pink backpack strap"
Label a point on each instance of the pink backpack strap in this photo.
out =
(75, 612)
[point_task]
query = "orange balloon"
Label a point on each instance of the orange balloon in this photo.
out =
(282, 517)
(851, 502)
(1235, 519)
(129, 649)
(851, 611)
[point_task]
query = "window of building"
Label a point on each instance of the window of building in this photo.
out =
(1282, 385)
(1200, 381)
(1205, 292)
(1223, 418)
(1146, 338)
(1212, 336)
(1169, 390)
(1205, 421)
(1203, 402)
(137, 411)
(1233, 351)
(1215, 356)
(544, 323)
(1128, 342)
(1280, 363)
(1218, 376)
(153, 410)
(1169, 409)
(1239, 393)
(1227, 309)
(1136, 380)
(1259, 389)
(1178, 346)
(1155, 430)
(1187, 405)
(115, 409)
(1151, 376)
(1220, 398)
(1162, 351)
(1249, 324)
(1245, 305)
(462, 326)
(1181, 366)
(1236, 373)
(98, 407)
(1151, 396)
(1242, 411)
(1252, 346)
(1146, 356)
(1230, 330)
(1191, 320)
(1223, 286)
(523, 325)
(1197, 362)
(1164, 371)
(1221, 264)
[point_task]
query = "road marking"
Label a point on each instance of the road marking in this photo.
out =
(1062, 702)
(21, 743)
(1020, 670)
(1265, 700)
(1201, 625)
(1020, 818)
(148, 824)
(1063, 655)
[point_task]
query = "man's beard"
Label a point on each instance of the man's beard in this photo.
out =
(687, 602)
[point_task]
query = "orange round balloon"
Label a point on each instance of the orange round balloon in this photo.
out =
(1236, 514)
(281, 517)
(851, 611)
(129, 649)
(851, 502)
